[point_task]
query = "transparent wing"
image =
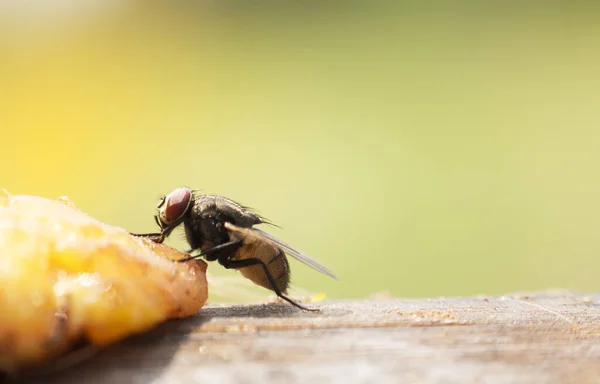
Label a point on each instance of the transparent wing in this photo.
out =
(262, 235)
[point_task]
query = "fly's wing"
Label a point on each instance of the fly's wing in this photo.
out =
(262, 235)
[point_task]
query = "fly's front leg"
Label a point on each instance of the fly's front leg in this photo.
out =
(156, 237)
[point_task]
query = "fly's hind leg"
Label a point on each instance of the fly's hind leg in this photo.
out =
(236, 264)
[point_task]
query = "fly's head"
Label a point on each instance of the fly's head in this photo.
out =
(173, 207)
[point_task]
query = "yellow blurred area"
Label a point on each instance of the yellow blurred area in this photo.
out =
(422, 149)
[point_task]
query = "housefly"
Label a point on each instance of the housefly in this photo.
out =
(223, 230)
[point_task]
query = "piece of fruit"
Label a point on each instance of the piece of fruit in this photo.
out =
(66, 277)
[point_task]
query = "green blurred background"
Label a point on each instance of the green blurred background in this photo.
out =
(423, 148)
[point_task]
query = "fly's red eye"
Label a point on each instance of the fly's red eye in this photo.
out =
(177, 204)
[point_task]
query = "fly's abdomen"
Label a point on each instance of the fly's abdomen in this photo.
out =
(272, 257)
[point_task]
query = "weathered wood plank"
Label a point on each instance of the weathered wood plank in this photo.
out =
(511, 339)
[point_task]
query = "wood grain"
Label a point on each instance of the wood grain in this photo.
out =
(540, 338)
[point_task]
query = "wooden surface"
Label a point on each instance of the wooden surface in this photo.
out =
(511, 339)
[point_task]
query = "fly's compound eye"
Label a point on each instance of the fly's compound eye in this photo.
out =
(175, 205)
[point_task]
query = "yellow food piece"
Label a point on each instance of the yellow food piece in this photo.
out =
(65, 276)
(318, 297)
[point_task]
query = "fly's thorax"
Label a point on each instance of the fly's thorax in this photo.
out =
(203, 205)
(204, 232)
(194, 238)
(224, 209)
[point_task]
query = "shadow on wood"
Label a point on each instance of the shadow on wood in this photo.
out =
(510, 339)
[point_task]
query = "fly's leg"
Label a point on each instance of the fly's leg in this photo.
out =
(212, 254)
(156, 237)
(236, 264)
